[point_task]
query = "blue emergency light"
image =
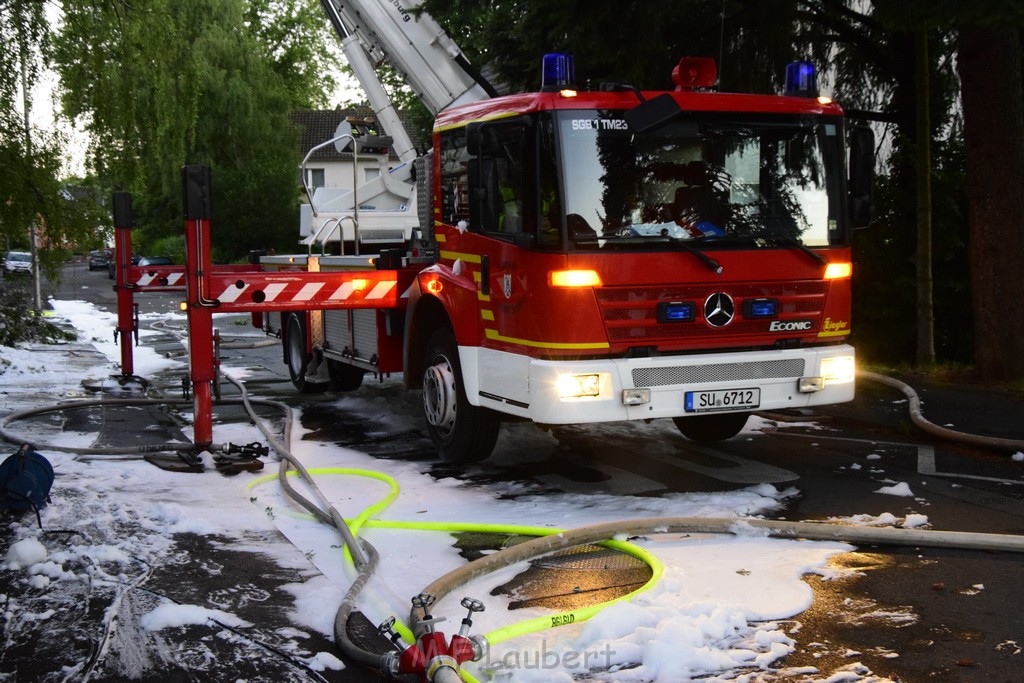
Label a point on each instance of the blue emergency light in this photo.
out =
(675, 311)
(801, 80)
(558, 72)
(760, 308)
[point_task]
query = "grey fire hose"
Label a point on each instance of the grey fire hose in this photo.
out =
(641, 527)
(917, 417)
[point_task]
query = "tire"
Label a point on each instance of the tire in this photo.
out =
(463, 433)
(345, 377)
(297, 357)
(711, 428)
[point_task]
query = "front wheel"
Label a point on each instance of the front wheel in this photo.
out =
(711, 428)
(463, 433)
(297, 357)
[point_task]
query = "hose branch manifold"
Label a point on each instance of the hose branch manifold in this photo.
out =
(432, 657)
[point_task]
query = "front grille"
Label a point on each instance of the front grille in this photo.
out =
(631, 313)
(722, 372)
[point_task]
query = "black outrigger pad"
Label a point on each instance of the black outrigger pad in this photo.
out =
(176, 463)
(234, 466)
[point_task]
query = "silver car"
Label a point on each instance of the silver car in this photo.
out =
(18, 262)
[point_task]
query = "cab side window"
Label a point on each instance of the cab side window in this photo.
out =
(454, 177)
(498, 178)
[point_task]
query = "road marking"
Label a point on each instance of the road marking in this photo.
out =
(926, 465)
(925, 457)
(620, 482)
(745, 471)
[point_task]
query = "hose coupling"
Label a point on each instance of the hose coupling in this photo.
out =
(389, 664)
(252, 450)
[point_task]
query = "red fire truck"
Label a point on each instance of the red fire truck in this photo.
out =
(616, 254)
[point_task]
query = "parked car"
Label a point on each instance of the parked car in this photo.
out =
(18, 262)
(99, 259)
(112, 265)
(155, 261)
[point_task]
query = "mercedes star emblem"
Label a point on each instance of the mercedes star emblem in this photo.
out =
(719, 309)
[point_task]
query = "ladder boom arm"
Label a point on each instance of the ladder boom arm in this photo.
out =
(429, 61)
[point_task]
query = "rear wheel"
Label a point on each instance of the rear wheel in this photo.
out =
(345, 377)
(297, 356)
(711, 428)
(463, 433)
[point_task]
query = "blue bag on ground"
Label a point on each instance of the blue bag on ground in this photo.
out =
(25, 480)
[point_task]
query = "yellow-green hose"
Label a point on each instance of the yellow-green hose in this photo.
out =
(365, 520)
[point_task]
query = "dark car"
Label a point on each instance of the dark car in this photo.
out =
(112, 266)
(99, 259)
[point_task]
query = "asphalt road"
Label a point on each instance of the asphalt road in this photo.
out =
(945, 627)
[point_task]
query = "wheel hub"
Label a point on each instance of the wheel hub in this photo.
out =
(439, 403)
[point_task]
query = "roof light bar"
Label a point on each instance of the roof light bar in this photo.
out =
(801, 79)
(558, 72)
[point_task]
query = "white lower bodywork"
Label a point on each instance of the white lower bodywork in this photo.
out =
(525, 387)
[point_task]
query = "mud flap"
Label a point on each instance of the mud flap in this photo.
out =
(318, 370)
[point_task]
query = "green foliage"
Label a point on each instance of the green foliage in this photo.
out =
(172, 247)
(31, 189)
(167, 83)
(17, 325)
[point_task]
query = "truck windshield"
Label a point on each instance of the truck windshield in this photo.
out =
(749, 180)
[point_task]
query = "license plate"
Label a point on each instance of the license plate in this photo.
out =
(722, 399)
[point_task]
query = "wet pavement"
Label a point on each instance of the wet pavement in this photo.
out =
(909, 614)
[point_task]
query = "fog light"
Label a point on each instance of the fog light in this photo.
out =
(636, 397)
(809, 385)
(578, 386)
(838, 370)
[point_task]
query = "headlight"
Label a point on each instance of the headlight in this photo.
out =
(838, 369)
(578, 386)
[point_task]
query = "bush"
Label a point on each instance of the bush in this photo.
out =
(17, 324)
(173, 246)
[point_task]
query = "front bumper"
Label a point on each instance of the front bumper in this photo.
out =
(791, 378)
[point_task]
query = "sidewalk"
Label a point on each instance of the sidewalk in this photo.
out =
(117, 546)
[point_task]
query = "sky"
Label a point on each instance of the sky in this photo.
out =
(723, 610)
(44, 109)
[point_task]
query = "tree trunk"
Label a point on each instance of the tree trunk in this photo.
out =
(923, 164)
(992, 90)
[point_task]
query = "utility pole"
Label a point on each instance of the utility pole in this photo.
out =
(37, 303)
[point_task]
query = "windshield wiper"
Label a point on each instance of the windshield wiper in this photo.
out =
(794, 242)
(713, 265)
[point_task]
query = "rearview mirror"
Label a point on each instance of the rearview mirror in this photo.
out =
(862, 176)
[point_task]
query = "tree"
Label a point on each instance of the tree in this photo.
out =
(993, 98)
(31, 190)
(988, 41)
(166, 83)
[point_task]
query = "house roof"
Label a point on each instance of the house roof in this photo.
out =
(319, 125)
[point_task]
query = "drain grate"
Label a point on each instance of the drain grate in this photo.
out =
(589, 558)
